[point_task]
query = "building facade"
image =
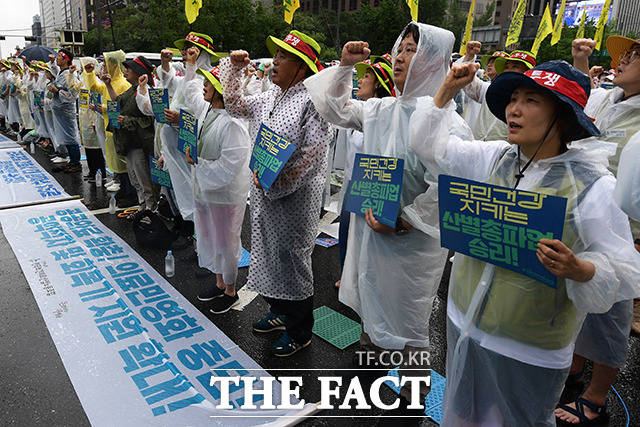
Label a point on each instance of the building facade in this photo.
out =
(56, 15)
(627, 15)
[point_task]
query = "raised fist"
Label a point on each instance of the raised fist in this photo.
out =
(582, 48)
(166, 56)
(354, 52)
(473, 48)
(239, 58)
(191, 55)
(90, 67)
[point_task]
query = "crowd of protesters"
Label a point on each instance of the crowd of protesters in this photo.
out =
(516, 349)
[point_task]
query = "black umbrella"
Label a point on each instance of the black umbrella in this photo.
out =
(37, 53)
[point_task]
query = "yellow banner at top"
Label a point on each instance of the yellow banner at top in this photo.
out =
(604, 16)
(413, 6)
(557, 26)
(192, 9)
(290, 7)
(580, 33)
(516, 24)
(467, 29)
(544, 29)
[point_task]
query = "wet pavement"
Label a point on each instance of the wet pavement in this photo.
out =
(35, 389)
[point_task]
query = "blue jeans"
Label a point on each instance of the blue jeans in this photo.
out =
(343, 232)
(74, 153)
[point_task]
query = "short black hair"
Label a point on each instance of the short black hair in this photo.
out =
(412, 29)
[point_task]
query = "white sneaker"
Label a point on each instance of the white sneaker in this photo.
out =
(113, 187)
(57, 160)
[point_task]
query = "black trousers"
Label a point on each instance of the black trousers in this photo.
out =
(95, 161)
(298, 316)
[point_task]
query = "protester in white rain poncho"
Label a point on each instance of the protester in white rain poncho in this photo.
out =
(221, 181)
(391, 279)
(22, 90)
(284, 218)
(627, 193)
(3, 88)
(188, 97)
(48, 113)
(14, 106)
(604, 338)
(510, 338)
(89, 129)
(39, 85)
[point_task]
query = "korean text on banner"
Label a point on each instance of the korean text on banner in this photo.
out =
(376, 184)
(95, 99)
(158, 175)
(159, 102)
(83, 99)
(499, 225)
(516, 24)
(290, 7)
(557, 25)
(188, 134)
(22, 180)
(467, 29)
(270, 154)
(136, 351)
(113, 111)
(604, 17)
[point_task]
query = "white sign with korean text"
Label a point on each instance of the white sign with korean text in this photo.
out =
(23, 180)
(136, 351)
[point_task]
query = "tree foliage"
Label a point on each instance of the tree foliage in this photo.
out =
(487, 16)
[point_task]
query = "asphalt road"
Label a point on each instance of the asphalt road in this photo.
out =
(35, 389)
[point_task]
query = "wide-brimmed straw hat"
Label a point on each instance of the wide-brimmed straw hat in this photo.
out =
(300, 45)
(617, 45)
(381, 70)
(564, 83)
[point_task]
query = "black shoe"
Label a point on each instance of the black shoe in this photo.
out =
(223, 304)
(60, 168)
(182, 243)
(73, 168)
(126, 202)
(209, 294)
(202, 273)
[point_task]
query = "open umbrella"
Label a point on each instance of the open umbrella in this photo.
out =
(37, 53)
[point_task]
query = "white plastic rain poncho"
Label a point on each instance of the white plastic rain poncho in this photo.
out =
(284, 219)
(510, 338)
(349, 142)
(63, 107)
(41, 86)
(485, 126)
(14, 106)
(188, 97)
(86, 117)
(618, 119)
(627, 193)
(390, 280)
(220, 186)
(3, 86)
(113, 66)
(22, 87)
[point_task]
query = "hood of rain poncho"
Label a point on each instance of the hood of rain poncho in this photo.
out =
(84, 61)
(431, 59)
(113, 64)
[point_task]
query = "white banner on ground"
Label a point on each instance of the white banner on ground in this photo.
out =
(23, 180)
(7, 143)
(137, 352)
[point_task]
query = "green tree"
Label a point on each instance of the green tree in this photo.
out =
(487, 16)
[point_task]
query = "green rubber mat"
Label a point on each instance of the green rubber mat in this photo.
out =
(333, 327)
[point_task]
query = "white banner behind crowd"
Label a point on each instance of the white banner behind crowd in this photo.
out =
(23, 180)
(136, 351)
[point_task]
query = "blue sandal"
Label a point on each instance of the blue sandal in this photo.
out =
(601, 420)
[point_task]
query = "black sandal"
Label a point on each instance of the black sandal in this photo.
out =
(601, 420)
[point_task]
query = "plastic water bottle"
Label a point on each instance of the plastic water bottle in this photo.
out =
(32, 148)
(169, 264)
(99, 178)
(112, 204)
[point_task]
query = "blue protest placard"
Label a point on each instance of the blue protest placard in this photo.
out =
(376, 184)
(158, 175)
(326, 242)
(270, 154)
(188, 134)
(95, 99)
(159, 102)
(38, 99)
(499, 225)
(113, 111)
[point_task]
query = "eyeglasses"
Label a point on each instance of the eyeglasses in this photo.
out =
(629, 56)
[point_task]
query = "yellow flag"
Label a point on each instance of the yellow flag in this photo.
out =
(290, 7)
(516, 24)
(467, 29)
(413, 6)
(557, 26)
(601, 23)
(544, 29)
(192, 9)
(583, 20)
